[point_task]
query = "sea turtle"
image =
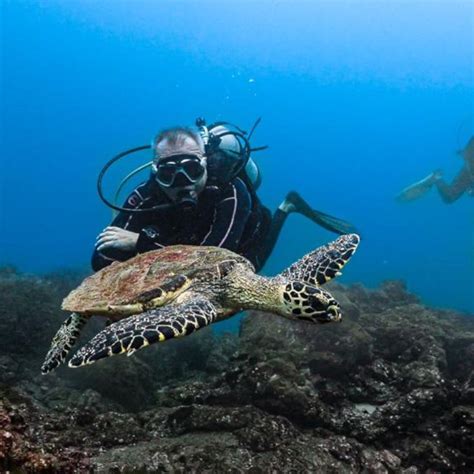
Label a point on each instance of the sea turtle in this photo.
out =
(174, 291)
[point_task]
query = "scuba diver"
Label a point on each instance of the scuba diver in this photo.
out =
(463, 183)
(201, 191)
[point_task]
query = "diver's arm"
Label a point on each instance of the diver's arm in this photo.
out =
(230, 217)
(149, 239)
(452, 192)
(124, 220)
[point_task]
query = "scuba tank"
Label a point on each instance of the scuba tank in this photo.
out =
(228, 153)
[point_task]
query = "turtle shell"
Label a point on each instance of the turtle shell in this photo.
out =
(123, 282)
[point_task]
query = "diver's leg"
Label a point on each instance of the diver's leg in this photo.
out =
(452, 192)
(293, 202)
(267, 244)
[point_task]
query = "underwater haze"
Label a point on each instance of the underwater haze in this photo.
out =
(357, 99)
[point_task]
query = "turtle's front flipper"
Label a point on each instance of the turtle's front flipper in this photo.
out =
(324, 263)
(63, 341)
(156, 325)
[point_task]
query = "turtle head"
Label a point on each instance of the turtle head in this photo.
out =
(309, 303)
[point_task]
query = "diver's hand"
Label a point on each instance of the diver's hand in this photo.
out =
(117, 238)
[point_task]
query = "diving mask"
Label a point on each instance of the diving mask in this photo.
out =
(167, 170)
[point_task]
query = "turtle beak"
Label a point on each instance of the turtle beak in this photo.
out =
(334, 313)
(331, 314)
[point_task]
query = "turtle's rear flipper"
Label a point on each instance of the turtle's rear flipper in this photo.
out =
(324, 263)
(156, 325)
(62, 342)
(297, 204)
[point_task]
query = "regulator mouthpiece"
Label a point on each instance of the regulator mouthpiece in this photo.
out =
(187, 199)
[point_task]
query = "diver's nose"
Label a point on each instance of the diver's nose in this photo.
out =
(181, 180)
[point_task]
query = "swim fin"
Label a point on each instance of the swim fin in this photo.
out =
(417, 190)
(331, 223)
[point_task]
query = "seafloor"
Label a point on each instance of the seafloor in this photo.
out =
(391, 389)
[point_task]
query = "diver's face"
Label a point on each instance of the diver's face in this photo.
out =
(181, 170)
(183, 189)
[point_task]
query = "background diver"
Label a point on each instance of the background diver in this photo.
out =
(201, 191)
(463, 183)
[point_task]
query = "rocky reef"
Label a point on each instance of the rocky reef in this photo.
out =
(390, 389)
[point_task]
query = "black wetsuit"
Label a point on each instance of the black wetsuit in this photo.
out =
(462, 183)
(228, 216)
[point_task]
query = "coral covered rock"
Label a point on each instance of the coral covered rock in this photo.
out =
(390, 389)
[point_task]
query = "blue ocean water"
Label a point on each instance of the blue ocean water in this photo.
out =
(358, 100)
